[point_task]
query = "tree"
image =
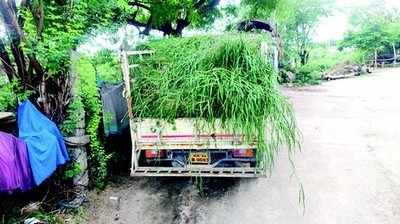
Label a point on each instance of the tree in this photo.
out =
(171, 16)
(295, 20)
(373, 29)
(40, 35)
(369, 37)
(261, 9)
(298, 20)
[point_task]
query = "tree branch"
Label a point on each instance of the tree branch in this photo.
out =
(138, 4)
(19, 61)
(6, 61)
(38, 14)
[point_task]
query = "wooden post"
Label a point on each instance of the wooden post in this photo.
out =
(127, 92)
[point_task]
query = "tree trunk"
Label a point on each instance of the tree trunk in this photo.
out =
(148, 26)
(180, 25)
(303, 57)
(376, 59)
(394, 54)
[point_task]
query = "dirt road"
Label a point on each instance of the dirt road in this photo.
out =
(349, 166)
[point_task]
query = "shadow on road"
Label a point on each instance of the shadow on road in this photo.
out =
(205, 187)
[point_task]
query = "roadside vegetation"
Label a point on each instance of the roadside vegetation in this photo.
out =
(375, 32)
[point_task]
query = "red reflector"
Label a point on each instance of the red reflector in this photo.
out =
(243, 153)
(155, 153)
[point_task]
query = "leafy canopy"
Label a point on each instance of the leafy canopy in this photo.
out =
(373, 28)
(63, 28)
(171, 16)
(296, 21)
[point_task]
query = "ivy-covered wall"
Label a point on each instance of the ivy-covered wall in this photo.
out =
(90, 72)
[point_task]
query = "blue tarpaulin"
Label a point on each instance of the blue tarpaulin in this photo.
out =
(46, 147)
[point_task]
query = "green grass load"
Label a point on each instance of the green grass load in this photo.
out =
(216, 77)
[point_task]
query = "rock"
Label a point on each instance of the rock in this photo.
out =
(290, 76)
(364, 70)
(32, 221)
(287, 76)
(114, 202)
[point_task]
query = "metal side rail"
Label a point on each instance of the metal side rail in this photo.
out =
(197, 172)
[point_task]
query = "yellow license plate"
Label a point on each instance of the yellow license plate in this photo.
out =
(199, 157)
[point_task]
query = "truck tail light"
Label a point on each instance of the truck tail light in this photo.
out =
(243, 153)
(152, 154)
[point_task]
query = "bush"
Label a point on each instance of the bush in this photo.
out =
(308, 74)
(323, 59)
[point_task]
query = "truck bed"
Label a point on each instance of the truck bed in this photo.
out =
(183, 138)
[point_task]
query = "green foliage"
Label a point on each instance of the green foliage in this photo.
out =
(10, 94)
(49, 218)
(216, 77)
(168, 10)
(103, 66)
(88, 91)
(75, 111)
(323, 58)
(309, 74)
(64, 27)
(72, 171)
(369, 38)
(107, 67)
(171, 16)
(296, 21)
(7, 97)
(373, 28)
(260, 8)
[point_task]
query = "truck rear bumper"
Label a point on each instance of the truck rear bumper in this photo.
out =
(198, 172)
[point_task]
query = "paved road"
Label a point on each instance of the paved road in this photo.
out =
(349, 167)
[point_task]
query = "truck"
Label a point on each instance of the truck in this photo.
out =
(186, 146)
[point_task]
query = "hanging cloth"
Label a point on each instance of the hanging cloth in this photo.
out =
(46, 147)
(115, 111)
(15, 170)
